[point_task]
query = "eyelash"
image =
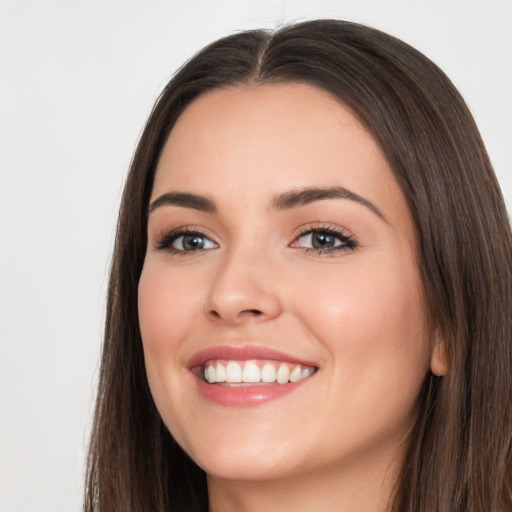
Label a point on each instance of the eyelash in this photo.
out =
(166, 239)
(348, 243)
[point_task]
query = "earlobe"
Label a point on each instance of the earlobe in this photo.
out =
(439, 359)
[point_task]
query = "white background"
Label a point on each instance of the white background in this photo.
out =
(77, 80)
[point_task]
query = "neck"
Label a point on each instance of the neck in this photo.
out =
(354, 487)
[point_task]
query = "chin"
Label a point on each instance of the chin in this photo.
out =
(239, 454)
(236, 466)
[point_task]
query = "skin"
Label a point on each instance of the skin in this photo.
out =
(336, 442)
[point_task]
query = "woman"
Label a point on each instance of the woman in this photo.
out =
(310, 294)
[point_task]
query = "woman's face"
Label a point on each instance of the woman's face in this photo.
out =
(280, 248)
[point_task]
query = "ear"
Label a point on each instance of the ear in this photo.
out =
(439, 364)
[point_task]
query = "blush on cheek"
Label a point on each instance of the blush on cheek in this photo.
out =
(155, 312)
(368, 314)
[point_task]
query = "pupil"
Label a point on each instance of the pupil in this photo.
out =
(193, 242)
(321, 240)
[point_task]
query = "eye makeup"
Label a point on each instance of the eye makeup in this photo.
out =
(319, 239)
(324, 239)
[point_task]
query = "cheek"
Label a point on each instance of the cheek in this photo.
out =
(371, 319)
(166, 317)
(167, 307)
(364, 297)
(373, 326)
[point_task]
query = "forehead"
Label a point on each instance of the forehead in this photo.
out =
(250, 142)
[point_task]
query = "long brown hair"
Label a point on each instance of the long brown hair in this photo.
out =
(459, 453)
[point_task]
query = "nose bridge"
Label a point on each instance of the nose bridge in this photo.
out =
(244, 285)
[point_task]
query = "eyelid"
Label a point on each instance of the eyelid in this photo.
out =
(349, 241)
(165, 238)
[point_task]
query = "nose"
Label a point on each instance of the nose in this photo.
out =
(244, 289)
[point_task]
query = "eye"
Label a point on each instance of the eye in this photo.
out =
(182, 241)
(192, 242)
(319, 240)
(324, 240)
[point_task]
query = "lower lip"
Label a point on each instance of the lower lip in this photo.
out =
(246, 396)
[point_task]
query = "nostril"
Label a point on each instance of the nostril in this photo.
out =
(254, 312)
(241, 314)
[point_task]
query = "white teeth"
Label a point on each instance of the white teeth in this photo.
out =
(211, 374)
(306, 372)
(295, 374)
(252, 372)
(268, 373)
(283, 374)
(220, 373)
(233, 372)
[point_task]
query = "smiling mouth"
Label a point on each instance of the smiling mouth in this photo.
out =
(253, 372)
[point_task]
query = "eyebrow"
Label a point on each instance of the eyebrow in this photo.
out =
(302, 197)
(284, 201)
(185, 200)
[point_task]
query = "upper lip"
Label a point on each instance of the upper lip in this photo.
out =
(243, 353)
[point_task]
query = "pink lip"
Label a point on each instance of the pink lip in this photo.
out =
(243, 396)
(246, 396)
(243, 353)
